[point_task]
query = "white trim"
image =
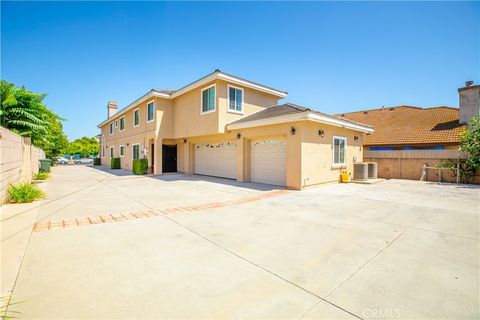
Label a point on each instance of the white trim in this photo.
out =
(139, 151)
(307, 115)
(228, 99)
(111, 128)
(120, 151)
(344, 163)
(214, 99)
(124, 123)
(137, 109)
(209, 78)
(252, 85)
(112, 148)
(153, 119)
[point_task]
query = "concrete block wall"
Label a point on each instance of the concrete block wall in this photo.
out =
(18, 160)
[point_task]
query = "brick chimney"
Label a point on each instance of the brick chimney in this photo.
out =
(111, 108)
(469, 101)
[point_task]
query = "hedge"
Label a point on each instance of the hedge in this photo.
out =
(115, 163)
(140, 166)
(96, 161)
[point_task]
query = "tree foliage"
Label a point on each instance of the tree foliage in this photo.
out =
(84, 146)
(471, 143)
(23, 112)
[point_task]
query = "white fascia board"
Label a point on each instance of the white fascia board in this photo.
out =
(268, 121)
(249, 84)
(146, 96)
(339, 122)
(299, 117)
(228, 78)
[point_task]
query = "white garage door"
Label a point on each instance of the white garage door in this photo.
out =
(216, 159)
(268, 161)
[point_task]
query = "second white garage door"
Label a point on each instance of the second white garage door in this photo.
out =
(268, 161)
(216, 159)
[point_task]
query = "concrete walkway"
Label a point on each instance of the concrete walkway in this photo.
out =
(397, 249)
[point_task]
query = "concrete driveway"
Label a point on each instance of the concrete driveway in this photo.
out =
(112, 245)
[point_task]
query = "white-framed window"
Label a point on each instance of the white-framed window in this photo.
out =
(102, 150)
(112, 152)
(339, 150)
(150, 111)
(208, 99)
(116, 123)
(136, 151)
(136, 117)
(122, 123)
(111, 128)
(122, 150)
(235, 99)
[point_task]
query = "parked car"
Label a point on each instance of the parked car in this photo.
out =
(83, 161)
(62, 160)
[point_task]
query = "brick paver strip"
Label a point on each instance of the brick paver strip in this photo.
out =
(88, 221)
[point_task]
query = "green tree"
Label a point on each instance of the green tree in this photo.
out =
(84, 146)
(471, 143)
(23, 112)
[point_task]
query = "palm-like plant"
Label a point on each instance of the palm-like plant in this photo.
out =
(22, 111)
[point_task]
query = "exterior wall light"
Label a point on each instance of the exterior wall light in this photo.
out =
(239, 135)
(292, 131)
(128, 144)
(184, 140)
(355, 138)
(321, 133)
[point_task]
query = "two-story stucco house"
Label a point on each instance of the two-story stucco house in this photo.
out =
(225, 126)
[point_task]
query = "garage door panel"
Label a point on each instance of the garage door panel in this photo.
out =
(216, 159)
(268, 161)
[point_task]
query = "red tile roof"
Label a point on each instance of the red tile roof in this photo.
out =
(406, 125)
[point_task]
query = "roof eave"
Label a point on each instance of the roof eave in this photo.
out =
(307, 115)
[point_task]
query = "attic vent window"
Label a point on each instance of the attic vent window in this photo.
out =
(365, 112)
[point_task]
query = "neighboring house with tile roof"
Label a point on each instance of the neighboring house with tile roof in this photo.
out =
(406, 138)
(225, 126)
(407, 127)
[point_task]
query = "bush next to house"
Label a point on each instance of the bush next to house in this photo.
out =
(115, 163)
(24, 192)
(40, 176)
(140, 166)
(96, 161)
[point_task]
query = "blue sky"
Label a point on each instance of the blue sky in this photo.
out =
(332, 56)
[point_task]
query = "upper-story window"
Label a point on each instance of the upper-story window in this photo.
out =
(235, 99)
(111, 128)
(136, 117)
(150, 111)
(122, 123)
(208, 99)
(339, 147)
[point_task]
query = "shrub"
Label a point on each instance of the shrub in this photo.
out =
(140, 166)
(40, 176)
(115, 163)
(24, 192)
(96, 161)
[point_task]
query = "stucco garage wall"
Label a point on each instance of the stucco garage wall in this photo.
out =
(317, 153)
(18, 160)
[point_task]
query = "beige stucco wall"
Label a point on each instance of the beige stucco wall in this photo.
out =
(317, 153)
(18, 160)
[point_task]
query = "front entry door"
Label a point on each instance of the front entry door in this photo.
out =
(169, 158)
(152, 153)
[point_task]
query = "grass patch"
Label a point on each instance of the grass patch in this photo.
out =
(40, 176)
(24, 192)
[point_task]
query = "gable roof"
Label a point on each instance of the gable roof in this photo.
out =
(289, 112)
(403, 125)
(216, 75)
